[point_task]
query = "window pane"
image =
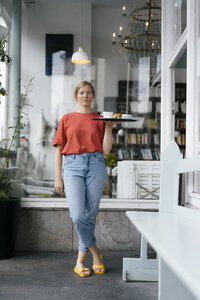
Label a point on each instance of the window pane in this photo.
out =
(180, 102)
(2, 102)
(3, 99)
(119, 89)
(197, 104)
(179, 19)
(139, 141)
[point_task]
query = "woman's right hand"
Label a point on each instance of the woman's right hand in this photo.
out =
(58, 186)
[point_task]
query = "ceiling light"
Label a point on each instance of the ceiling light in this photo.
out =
(144, 34)
(80, 57)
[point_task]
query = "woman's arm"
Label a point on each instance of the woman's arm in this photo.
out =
(107, 140)
(58, 186)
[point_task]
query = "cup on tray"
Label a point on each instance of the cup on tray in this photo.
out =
(107, 114)
(126, 116)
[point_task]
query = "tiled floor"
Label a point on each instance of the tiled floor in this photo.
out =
(49, 276)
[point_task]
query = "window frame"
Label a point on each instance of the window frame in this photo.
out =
(7, 20)
(170, 56)
(194, 197)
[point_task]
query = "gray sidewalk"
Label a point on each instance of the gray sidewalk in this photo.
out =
(49, 276)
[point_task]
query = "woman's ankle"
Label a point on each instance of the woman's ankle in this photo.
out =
(79, 264)
(81, 258)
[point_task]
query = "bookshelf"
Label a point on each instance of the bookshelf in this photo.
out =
(141, 139)
(141, 143)
(180, 115)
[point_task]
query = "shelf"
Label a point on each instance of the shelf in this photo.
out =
(181, 130)
(143, 130)
(149, 146)
(180, 115)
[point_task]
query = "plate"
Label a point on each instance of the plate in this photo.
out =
(114, 119)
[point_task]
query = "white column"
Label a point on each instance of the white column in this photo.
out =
(191, 80)
(166, 92)
(15, 67)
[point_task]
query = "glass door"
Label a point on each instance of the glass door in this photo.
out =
(179, 107)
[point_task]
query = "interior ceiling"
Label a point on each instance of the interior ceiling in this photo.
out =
(101, 3)
(118, 3)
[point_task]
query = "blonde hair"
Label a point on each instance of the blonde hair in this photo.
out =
(80, 85)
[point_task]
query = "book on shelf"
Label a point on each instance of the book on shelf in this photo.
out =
(180, 93)
(129, 138)
(133, 138)
(156, 139)
(133, 154)
(149, 154)
(118, 139)
(122, 154)
(180, 139)
(154, 154)
(144, 138)
(138, 138)
(146, 154)
(180, 123)
(158, 154)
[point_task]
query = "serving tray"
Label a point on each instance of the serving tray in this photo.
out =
(115, 119)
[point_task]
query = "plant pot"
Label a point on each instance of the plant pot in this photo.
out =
(9, 219)
(109, 170)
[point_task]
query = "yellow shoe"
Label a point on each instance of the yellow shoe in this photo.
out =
(79, 272)
(102, 267)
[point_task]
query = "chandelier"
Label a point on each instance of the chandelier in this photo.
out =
(144, 34)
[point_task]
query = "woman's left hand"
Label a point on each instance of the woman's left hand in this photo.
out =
(112, 124)
(107, 140)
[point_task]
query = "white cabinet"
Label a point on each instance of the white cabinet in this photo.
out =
(138, 179)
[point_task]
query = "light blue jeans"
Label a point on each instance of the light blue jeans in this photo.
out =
(84, 180)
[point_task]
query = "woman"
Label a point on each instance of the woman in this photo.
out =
(83, 141)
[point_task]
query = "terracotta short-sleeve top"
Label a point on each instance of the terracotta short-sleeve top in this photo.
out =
(78, 133)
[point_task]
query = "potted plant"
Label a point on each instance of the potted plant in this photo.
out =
(110, 162)
(9, 205)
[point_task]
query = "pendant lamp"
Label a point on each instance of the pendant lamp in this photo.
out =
(80, 57)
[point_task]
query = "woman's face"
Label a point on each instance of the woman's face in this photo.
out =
(85, 96)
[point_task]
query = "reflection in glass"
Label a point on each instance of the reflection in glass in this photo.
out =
(179, 19)
(197, 105)
(197, 182)
(3, 74)
(52, 97)
(138, 141)
(180, 102)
